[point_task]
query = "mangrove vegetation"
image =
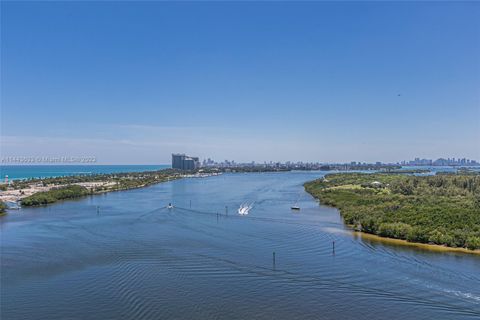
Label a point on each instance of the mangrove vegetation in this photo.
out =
(3, 208)
(70, 187)
(442, 209)
(55, 194)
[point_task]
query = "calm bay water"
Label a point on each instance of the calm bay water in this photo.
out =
(138, 260)
(46, 171)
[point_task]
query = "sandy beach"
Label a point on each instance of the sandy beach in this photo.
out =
(14, 195)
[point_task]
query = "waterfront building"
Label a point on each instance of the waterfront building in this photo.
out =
(183, 162)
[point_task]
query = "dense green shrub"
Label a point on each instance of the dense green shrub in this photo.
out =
(396, 230)
(3, 208)
(417, 234)
(53, 195)
(473, 242)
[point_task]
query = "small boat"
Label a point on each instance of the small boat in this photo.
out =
(170, 206)
(12, 205)
(295, 206)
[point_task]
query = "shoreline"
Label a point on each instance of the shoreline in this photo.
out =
(96, 187)
(400, 242)
(345, 191)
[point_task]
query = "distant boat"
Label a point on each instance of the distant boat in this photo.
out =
(12, 205)
(295, 205)
(170, 206)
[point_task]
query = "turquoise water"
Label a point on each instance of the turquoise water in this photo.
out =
(45, 171)
(136, 259)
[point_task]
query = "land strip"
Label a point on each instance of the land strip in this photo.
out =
(443, 209)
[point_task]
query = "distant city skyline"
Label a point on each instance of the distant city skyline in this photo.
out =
(414, 162)
(188, 162)
(132, 83)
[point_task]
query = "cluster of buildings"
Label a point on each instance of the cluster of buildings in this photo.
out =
(271, 164)
(185, 162)
(440, 162)
(225, 164)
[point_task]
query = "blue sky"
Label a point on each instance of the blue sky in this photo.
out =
(328, 81)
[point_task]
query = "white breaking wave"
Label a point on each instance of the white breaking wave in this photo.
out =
(245, 208)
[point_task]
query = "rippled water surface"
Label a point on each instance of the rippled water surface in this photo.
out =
(136, 259)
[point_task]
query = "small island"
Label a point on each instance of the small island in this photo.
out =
(441, 209)
(42, 191)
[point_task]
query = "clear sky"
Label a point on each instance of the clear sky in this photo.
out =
(130, 83)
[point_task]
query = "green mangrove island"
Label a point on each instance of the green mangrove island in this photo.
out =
(442, 209)
(56, 194)
(71, 187)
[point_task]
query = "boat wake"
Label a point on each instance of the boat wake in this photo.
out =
(245, 208)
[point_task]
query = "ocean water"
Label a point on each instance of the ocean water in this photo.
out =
(136, 259)
(45, 171)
